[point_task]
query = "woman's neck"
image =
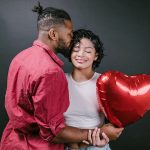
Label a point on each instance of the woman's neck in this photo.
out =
(82, 75)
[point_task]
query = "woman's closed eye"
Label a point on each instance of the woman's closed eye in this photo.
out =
(76, 48)
(88, 50)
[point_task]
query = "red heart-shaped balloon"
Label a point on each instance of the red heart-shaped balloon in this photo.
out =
(123, 99)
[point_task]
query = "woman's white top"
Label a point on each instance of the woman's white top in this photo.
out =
(84, 111)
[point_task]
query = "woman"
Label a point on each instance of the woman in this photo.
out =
(84, 112)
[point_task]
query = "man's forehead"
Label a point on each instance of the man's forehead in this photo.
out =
(68, 24)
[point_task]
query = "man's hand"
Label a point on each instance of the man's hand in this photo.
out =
(112, 132)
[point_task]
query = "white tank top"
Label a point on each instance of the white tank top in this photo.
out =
(84, 111)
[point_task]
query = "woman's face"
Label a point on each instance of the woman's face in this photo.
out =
(83, 54)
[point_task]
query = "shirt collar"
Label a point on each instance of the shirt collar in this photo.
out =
(50, 52)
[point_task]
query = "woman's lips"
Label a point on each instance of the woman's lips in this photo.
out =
(80, 60)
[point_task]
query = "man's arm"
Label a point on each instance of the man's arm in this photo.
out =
(75, 135)
(111, 131)
(50, 102)
(70, 135)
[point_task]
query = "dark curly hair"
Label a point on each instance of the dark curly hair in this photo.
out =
(50, 16)
(98, 45)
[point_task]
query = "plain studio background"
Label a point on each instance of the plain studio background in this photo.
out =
(123, 26)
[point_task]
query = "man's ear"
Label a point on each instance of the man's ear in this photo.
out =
(53, 34)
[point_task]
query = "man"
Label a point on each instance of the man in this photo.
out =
(37, 92)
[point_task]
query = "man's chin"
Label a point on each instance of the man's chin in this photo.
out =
(64, 52)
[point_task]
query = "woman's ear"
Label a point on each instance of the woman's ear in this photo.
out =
(96, 56)
(53, 34)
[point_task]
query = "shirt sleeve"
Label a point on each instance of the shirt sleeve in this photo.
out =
(50, 102)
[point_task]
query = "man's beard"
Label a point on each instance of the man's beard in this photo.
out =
(62, 48)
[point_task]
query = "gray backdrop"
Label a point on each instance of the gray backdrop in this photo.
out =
(123, 26)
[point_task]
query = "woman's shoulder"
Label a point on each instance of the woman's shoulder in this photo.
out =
(97, 74)
(67, 75)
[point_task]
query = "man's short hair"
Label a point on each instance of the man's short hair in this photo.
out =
(50, 17)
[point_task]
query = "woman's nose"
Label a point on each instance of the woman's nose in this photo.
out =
(80, 53)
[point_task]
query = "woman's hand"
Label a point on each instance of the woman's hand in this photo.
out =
(97, 138)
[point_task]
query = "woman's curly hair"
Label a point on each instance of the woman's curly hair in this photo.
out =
(98, 45)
